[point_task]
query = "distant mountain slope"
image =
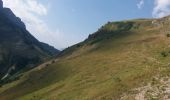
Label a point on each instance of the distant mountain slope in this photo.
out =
(109, 65)
(18, 48)
(50, 49)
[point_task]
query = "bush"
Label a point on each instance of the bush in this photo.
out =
(47, 65)
(164, 54)
(78, 45)
(109, 22)
(52, 62)
(168, 35)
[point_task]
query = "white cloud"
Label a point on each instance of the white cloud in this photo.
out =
(161, 8)
(140, 4)
(31, 11)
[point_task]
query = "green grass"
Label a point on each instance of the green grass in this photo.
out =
(101, 70)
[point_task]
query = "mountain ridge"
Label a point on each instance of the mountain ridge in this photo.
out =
(19, 49)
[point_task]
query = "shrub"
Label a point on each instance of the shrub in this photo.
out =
(78, 45)
(52, 62)
(164, 54)
(109, 22)
(168, 35)
(47, 65)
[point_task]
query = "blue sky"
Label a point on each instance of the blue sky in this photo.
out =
(63, 23)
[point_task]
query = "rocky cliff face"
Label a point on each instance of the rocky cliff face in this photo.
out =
(18, 48)
(1, 4)
(11, 16)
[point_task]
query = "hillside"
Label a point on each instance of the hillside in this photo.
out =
(18, 48)
(123, 60)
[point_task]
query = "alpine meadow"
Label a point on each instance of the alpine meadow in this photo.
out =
(127, 59)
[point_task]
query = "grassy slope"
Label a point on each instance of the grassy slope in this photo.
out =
(98, 69)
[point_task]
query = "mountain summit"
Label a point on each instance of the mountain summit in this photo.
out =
(18, 48)
(11, 16)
